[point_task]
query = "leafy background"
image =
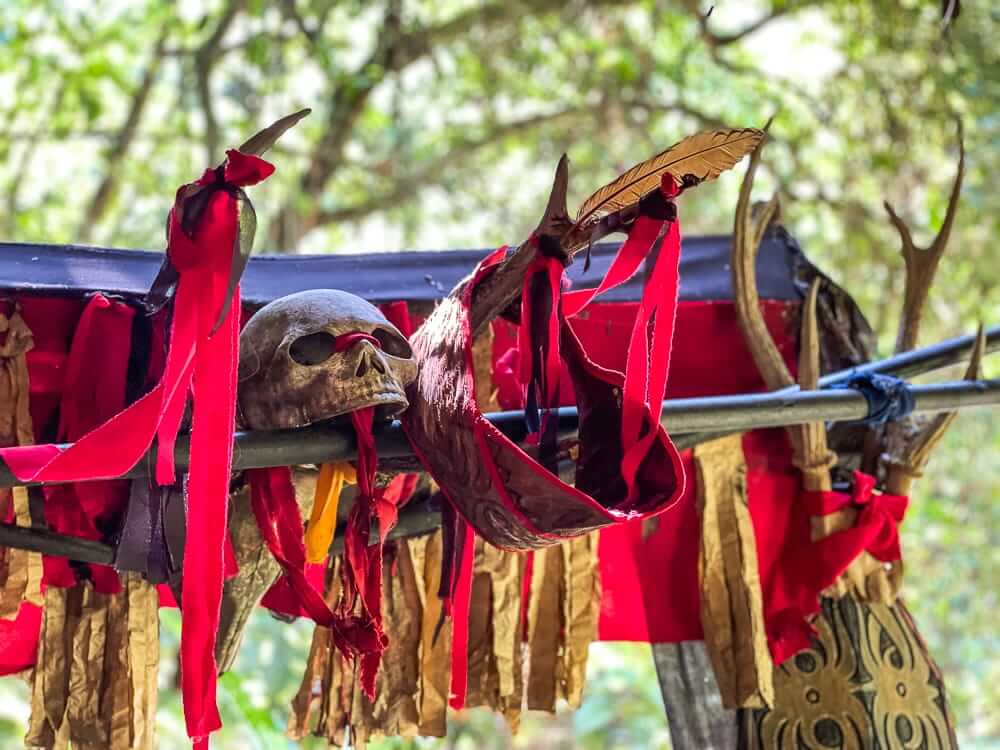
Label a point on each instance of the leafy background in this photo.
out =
(436, 124)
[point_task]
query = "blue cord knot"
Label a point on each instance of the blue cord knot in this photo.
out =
(889, 398)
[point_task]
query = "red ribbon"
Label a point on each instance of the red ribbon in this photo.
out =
(346, 340)
(363, 568)
(457, 605)
(648, 358)
(272, 498)
(204, 364)
(95, 385)
(875, 531)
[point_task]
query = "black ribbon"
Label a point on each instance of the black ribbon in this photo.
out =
(889, 398)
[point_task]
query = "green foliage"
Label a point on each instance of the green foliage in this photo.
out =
(437, 124)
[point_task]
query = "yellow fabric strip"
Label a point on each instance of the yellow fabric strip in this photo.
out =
(323, 521)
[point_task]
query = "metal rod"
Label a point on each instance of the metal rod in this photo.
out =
(920, 361)
(327, 442)
(692, 421)
(689, 416)
(50, 543)
(914, 362)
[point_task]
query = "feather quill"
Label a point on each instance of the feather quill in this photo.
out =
(267, 137)
(705, 155)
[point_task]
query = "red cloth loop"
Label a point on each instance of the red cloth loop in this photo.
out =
(346, 340)
(876, 530)
(648, 359)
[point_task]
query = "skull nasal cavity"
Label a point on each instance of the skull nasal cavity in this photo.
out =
(370, 360)
(312, 349)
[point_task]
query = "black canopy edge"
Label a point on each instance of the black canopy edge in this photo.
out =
(414, 276)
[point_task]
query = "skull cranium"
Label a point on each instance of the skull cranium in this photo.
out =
(293, 373)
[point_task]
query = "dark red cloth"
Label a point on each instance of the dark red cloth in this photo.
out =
(94, 391)
(282, 599)
(277, 513)
(362, 568)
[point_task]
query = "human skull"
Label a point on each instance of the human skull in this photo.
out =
(291, 373)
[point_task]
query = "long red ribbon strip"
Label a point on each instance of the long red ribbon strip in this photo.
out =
(648, 359)
(198, 362)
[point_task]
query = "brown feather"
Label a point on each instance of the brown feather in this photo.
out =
(705, 155)
(267, 137)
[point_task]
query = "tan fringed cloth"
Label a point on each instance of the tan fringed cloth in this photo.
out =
(20, 570)
(524, 652)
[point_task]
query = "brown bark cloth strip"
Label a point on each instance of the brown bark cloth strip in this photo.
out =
(20, 570)
(732, 613)
(95, 686)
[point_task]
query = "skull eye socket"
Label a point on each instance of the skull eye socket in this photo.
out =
(392, 343)
(312, 349)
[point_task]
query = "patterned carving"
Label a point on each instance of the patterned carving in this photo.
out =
(867, 683)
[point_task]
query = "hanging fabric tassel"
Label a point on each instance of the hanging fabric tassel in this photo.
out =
(563, 609)
(20, 570)
(95, 686)
(495, 668)
(210, 232)
(732, 610)
(323, 520)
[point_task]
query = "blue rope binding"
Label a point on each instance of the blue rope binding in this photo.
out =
(889, 398)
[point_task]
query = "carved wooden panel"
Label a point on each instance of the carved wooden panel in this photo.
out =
(867, 683)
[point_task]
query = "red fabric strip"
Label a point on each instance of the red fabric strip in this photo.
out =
(649, 361)
(272, 498)
(207, 507)
(363, 571)
(209, 363)
(875, 531)
(460, 600)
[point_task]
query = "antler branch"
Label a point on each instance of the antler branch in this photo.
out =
(812, 456)
(747, 233)
(907, 466)
(921, 263)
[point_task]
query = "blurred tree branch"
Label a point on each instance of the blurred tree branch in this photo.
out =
(117, 152)
(205, 59)
(395, 49)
